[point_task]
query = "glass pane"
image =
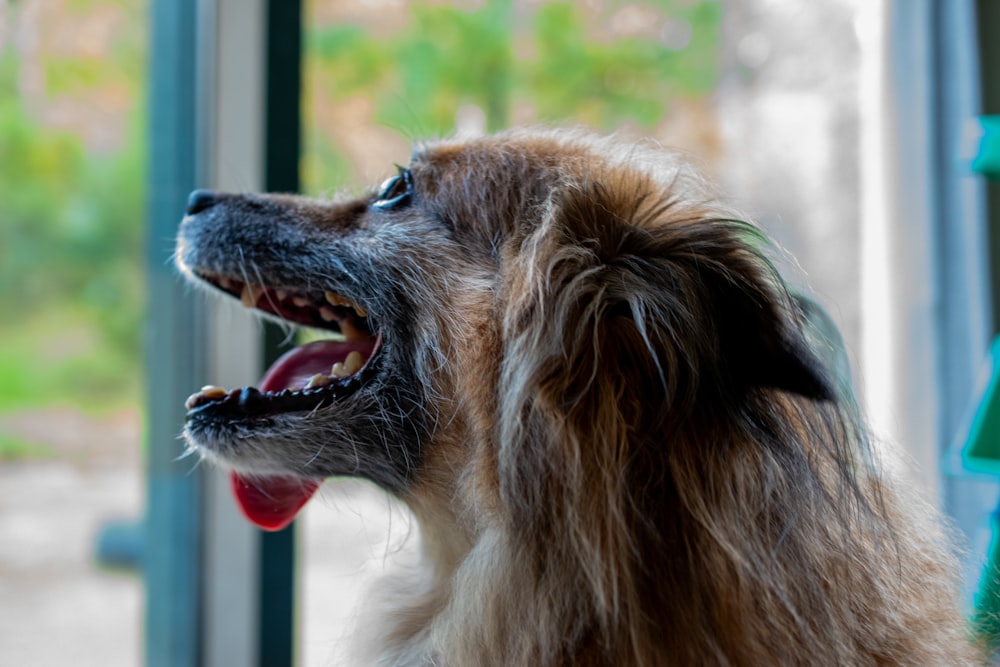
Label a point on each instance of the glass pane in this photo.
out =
(72, 187)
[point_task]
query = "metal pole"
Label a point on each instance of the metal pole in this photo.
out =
(174, 489)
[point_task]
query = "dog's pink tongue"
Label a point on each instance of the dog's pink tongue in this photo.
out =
(271, 503)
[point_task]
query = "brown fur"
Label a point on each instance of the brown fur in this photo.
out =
(633, 453)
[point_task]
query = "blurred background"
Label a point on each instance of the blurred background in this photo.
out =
(844, 127)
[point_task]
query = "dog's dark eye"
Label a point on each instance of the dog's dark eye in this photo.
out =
(396, 191)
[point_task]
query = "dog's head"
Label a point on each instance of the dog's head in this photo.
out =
(507, 311)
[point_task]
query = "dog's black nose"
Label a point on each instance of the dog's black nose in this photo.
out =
(199, 200)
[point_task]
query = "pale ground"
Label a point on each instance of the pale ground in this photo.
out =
(58, 608)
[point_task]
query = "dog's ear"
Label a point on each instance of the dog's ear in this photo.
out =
(760, 326)
(674, 306)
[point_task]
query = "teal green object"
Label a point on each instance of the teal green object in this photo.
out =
(981, 451)
(985, 615)
(981, 454)
(987, 160)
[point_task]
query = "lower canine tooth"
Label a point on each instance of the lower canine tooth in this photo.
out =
(353, 362)
(351, 365)
(326, 314)
(318, 380)
(208, 392)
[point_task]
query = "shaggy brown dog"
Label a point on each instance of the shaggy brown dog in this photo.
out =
(607, 414)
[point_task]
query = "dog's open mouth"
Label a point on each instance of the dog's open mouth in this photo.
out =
(305, 379)
(309, 376)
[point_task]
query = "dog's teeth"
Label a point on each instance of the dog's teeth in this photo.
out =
(250, 295)
(208, 392)
(318, 380)
(225, 283)
(300, 301)
(327, 314)
(335, 299)
(353, 362)
(351, 332)
(281, 294)
(349, 366)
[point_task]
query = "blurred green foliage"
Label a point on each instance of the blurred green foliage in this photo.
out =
(15, 449)
(71, 283)
(625, 80)
(447, 57)
(543, 57)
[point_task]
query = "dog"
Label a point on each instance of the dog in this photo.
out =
(617, 429)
